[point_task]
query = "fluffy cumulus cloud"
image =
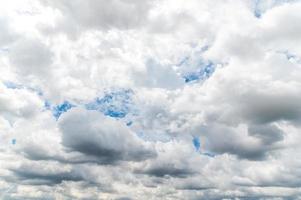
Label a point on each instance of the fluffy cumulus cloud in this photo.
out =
(130, 99)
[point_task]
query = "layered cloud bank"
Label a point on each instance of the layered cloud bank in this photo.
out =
(130, 99)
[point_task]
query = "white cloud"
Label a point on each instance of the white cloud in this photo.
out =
(246, 114)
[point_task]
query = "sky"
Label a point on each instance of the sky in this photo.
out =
(152, 99)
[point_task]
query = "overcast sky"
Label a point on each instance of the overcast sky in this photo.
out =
(150, 99)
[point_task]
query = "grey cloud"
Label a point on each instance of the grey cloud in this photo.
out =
(16, 103)
(95, 14)
(198, 182)
(167, 171)
(159, 76)
(194, 187)
(95, 135)
(123, 198)
(31, 57)
(174, 160)
(253, 105)
(265, 108)
(10, 197)
(254, 144)
(7, 35)
(286, 16)
(28, 175)
(269, 134)
(33, 178)
(35, 152)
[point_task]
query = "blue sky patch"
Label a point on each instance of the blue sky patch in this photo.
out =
(212, 155)
(257, 10)
(291, 57)
(60, 109)
(261, 6)
(201, 74)
(194, 67)
(129, 123)
(196, 143)
(12, 85)
(13, 141)
(153, 136)
(115, 104)
(47, 105)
